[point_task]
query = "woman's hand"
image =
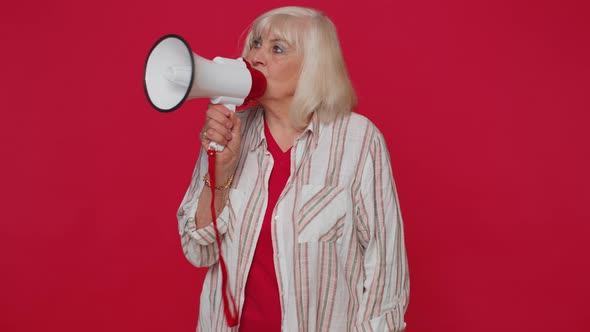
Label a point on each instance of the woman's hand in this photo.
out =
(223, 127)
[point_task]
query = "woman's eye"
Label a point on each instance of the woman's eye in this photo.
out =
(256, 44)
(277, 49)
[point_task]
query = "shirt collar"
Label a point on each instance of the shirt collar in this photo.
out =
(258, 137)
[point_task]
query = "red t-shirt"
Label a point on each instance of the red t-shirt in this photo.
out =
(262, 306)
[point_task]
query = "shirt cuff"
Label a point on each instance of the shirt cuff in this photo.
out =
(206, 235)
(390, 321)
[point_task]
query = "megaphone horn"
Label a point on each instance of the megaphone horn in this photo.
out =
(173, 74)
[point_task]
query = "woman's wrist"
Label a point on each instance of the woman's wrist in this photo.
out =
(219, 186)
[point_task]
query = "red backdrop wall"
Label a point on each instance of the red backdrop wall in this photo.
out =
(484, 106)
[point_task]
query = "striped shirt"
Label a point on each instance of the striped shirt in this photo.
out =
(337, 231)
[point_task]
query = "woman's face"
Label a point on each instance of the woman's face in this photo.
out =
(280, 63)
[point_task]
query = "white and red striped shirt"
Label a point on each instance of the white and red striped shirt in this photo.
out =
(337, 230)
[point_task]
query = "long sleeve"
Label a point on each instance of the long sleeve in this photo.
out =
(199, 245)
(380, 229)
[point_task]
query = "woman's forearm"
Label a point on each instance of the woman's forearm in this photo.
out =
(203, 214)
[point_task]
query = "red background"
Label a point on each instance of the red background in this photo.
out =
(484, 106)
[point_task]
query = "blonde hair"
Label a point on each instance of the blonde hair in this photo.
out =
(324, 86)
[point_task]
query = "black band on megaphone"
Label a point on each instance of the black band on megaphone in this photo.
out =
(190, 53)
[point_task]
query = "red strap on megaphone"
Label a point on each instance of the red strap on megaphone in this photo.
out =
(231, 314)
(230, 308)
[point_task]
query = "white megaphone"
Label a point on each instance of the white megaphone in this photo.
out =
(173, 74)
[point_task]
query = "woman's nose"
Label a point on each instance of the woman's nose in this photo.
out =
(257, 57)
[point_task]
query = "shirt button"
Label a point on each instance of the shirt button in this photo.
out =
(276, 217)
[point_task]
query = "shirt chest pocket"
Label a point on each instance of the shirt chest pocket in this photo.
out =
(322, 213)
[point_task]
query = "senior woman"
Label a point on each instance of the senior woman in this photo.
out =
(308, 214)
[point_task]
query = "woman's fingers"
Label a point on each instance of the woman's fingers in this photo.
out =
(223, 127)
(218, 126)
(220, 114)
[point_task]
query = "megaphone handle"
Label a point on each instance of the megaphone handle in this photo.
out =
(219, 147)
